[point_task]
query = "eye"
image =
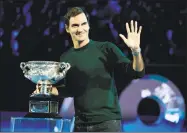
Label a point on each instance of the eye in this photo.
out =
(74, 25)
(84, 23)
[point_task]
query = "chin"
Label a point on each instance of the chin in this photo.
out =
(81, 40)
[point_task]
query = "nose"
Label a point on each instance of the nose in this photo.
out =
(80, 29)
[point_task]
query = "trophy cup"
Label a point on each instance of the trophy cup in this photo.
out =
(44, 74)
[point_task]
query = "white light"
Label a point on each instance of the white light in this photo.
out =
(145, 93)
(56, 129)
(172, 117)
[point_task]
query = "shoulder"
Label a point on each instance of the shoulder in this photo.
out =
(66, 54)
(103, 44)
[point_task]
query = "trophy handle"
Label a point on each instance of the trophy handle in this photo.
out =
(64, 68)
(23, 66)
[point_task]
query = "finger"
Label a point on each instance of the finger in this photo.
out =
(140, 30)
(53, 90)
(50, 88)
(123, 37)
(34, 92)
(127, 28)
(37, 91)
(37, 86)
(132, 26)
(136, 27)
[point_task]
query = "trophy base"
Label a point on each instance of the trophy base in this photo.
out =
(42, 104)
(44, 96)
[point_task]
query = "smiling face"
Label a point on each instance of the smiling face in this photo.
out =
(78, 28)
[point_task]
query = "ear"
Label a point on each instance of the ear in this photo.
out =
(88, 26)
(67, 28)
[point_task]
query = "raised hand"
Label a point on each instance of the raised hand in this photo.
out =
(133, 35)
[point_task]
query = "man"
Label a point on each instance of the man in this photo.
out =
(90, 79)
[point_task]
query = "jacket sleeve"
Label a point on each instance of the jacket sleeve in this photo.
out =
(121, 61)
(64, 91)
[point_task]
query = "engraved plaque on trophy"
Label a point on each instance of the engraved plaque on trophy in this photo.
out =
(44, 74)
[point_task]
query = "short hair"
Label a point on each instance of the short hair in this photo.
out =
(74, 11)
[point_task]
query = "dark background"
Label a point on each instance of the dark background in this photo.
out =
(34, 30)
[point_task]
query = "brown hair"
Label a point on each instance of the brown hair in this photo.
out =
(72, 12)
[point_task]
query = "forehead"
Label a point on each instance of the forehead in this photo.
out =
(81, 18)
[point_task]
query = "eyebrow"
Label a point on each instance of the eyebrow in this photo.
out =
(78, 24)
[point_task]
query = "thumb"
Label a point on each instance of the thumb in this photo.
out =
(123, 37)
(54, 91)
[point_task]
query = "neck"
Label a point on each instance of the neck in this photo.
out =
(79, 44)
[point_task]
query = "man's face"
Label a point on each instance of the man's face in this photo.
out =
(78, 27)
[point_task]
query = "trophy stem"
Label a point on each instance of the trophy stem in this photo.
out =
(45, 87)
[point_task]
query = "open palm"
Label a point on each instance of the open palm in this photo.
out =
(133, 35)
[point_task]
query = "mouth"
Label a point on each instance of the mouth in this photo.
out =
(81, 34)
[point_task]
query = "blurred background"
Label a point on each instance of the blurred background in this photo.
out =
(34, 30)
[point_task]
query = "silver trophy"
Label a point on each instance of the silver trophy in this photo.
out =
(44, 74)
